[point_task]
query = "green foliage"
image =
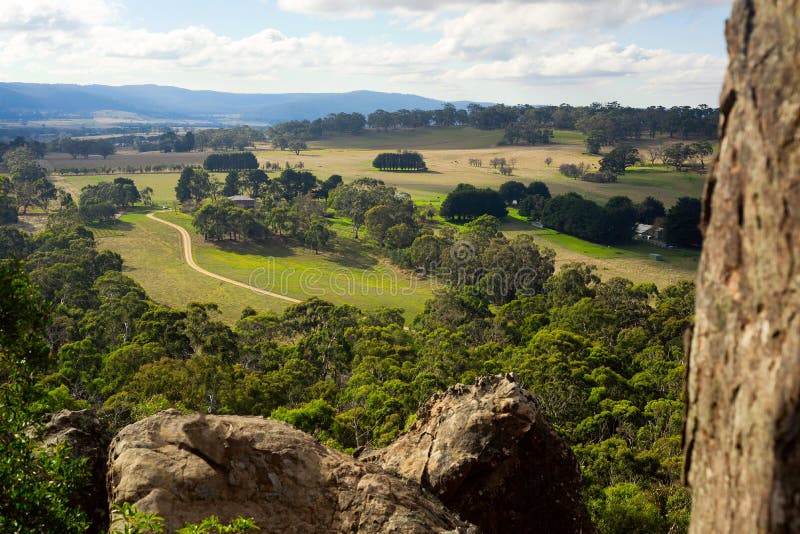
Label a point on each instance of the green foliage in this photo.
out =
(130, 520)
(230, 161)
(577, 216)
(682, 224)
(194, 184)
(37, 483)
(619, 159)
(466, 202)
(626, 509)
(399, 161)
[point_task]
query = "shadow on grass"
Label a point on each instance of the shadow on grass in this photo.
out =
(116, 225)
(352, 258)
(275, 247)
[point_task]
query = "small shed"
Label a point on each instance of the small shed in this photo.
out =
(648, 232)
(243, 201)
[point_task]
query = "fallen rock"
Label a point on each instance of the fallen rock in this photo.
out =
(188, 467)
(490, 455)
(87, 438)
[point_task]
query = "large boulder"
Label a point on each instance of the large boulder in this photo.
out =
(490, 455)
(87, 439)
(188, 467)
(743, 423)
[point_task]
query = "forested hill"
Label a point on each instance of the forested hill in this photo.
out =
(32, 101)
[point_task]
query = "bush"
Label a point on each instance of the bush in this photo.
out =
(572, 170)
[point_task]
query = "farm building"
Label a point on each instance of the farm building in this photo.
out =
(647, 232)
(243, 201)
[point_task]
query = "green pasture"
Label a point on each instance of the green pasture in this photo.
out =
(154, 258)
(345, 274)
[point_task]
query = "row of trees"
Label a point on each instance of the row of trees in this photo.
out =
(608, 123)
(230, 161)
(169, 141)
(399, 161)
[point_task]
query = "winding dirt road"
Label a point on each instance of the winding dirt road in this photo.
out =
(186, 240)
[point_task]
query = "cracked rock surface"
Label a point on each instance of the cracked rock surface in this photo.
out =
(489, 454)
(188, 467)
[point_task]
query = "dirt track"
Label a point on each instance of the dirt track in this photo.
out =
(186, 240)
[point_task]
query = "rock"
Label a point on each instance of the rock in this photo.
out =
(743, 424)
(188, 467)
(87, 438)
(489, 454)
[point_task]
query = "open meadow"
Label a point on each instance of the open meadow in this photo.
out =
(347, 274)
(351, 271)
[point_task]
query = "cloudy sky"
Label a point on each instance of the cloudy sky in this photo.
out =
(637, 52)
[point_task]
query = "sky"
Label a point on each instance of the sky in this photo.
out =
(635, 52)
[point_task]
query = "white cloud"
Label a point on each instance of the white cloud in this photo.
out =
(481, 44)
(603, 60)
(625, 10)
(54, 14)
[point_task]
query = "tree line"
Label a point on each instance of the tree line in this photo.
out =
(83, 147)
(230, 161)
(285, 134)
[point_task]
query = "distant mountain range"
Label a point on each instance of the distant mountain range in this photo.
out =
(33, 101)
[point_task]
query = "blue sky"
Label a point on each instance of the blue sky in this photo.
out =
(637, 52)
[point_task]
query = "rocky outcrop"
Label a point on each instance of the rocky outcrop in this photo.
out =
(187, 467)
(489, 454)
(87, 438)
(743, 427)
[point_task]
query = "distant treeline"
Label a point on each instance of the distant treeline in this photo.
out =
(233, 161)
(83, 147)
(127, 169)
(284, 133)
(237, 138)
(399, 161)
(611, 122)
(603, 124)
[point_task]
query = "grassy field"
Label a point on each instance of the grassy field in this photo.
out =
(450, 166)
(347, 274)
(153, 257)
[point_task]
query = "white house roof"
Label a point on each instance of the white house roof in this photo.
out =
(240, 197)
(643, 228)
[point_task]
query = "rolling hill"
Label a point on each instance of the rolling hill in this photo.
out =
(45, 101)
